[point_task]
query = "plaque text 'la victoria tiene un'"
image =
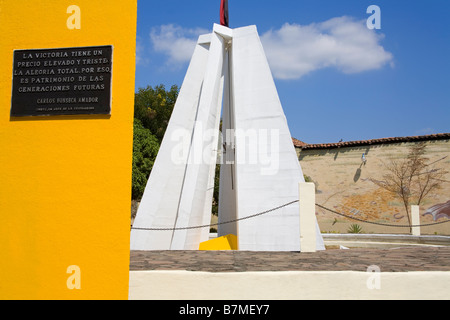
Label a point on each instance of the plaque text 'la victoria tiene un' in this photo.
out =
(62, 81)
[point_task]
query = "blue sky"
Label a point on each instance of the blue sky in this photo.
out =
(336, 78)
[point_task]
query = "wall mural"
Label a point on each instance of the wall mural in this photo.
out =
(438, 211)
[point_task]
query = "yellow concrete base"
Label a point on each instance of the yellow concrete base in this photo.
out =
(228, 242)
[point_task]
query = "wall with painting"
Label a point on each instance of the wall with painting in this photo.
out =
(343, 182)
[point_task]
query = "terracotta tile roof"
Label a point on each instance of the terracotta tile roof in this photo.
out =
(298, 143)
(303, 145)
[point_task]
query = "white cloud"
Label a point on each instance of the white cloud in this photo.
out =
(141, 57)
(176, 42)
(294, 50)
(342, 43)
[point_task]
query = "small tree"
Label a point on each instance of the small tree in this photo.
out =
(152, 111)
(145, 150)
(413, 178)
(154, 106)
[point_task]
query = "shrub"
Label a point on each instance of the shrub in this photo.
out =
(145, 149)
(354, 228)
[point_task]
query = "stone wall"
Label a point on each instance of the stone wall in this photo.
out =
(342, 181)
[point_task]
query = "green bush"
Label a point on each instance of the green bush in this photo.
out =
(145, 149)
(354, 228)
(154, 106)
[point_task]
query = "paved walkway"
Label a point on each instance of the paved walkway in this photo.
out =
(388, 260)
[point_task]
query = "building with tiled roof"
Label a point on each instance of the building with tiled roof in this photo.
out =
(342, 173)
(431, 137)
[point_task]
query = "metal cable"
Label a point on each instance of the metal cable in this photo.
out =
(381, 224)
(282, 206)
(216, 224)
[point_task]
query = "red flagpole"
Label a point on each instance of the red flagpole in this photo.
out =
(224, 13)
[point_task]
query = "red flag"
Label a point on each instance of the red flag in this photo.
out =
(224, 13)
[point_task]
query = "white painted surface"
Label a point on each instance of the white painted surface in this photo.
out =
(227, 185)
(267, 170)
(415, 220)
(308, 221)
(290, 285)
(263, 172)
(197, 193)
(160, 201)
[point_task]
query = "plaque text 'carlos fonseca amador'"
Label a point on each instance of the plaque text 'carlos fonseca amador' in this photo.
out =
(62, 81)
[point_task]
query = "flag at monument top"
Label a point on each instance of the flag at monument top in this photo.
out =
(224, 13)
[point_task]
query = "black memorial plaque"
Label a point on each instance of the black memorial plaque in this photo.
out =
(62, 81)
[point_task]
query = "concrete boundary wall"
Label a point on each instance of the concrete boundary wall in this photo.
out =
(343, 183)
(384, 240)
(288, 285)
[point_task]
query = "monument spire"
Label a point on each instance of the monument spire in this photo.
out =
(224, 20)
(259, 170)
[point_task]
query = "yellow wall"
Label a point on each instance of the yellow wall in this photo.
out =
(65, 181)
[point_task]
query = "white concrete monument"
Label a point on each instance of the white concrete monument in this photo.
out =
(259, 166)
